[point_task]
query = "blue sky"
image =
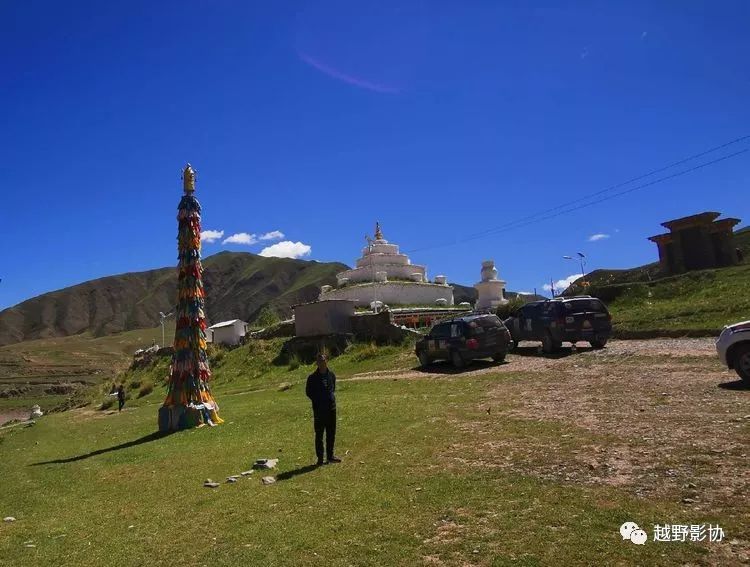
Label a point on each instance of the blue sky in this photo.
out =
(314, 119)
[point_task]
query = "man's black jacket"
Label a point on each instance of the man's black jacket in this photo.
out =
(321, 389)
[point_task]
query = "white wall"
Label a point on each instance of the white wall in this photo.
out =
(229, 335)
(392, 293)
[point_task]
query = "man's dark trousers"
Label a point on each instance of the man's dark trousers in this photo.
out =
(324, 420)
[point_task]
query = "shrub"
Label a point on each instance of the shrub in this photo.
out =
(107, 403)
(146, 389)
(506, 310)
(362, 352)
(267, 317)
(294, 363)
(215, 353)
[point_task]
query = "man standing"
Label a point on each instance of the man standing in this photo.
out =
(321, 389)
(120, 397)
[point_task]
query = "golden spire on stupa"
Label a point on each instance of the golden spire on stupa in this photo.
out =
(378, 232)
(188, 179)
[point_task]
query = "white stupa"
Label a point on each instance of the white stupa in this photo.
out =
(383, 274)
(491, 290)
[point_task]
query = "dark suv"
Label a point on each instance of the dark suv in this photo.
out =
(554, 321)
(463, 339)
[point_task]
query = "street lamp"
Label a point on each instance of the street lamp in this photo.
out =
(581, 259)
(163, 318)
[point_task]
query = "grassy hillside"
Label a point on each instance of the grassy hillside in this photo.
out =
(238, 286)
(59, 373)
(695, 303)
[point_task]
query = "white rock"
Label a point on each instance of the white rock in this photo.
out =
(268, 480)
(265, 464)
(9, 519)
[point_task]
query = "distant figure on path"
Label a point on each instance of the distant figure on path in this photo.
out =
(321, 389)
(120, 397)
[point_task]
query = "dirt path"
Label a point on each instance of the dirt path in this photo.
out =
(9, 415)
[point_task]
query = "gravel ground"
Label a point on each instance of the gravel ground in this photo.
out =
(656, 418)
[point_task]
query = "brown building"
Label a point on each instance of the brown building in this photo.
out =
(697, 242)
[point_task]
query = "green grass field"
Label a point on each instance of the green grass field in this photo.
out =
(99, 488)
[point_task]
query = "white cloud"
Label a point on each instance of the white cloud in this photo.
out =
(562, 285)
(598, 236)
(242, 238)
(287, 249)
(211, 235)
(273, 235)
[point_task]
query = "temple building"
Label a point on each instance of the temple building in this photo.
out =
(382, 274)
(697, 242)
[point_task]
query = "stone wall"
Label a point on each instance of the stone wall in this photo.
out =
(378, 327)
(323, 318)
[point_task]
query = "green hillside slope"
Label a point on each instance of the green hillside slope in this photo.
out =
(694, 303)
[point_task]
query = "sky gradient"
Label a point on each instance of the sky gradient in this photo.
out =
(442, 120)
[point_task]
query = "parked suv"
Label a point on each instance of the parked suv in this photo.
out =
(564, 319)
(733, 347)
(463, 339)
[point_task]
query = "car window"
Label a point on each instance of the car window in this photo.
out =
(530, 311)
(475, 328)
(585, 305)
(440, 331)
(548, 309)
(457, 330)
(489, 322)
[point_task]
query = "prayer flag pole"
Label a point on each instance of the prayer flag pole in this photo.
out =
(189, 402)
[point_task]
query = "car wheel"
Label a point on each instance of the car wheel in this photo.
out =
(741, 362)
(424, 360)
(457, 359)
(599, 342)
(498, 356)
(548, 344)
(512, 345)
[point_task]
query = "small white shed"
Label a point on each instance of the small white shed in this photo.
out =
(227, 332)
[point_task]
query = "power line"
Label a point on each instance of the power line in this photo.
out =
(624, 183)
(530, 219)
(625, 192)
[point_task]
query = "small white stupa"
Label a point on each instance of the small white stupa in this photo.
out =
(491, 290)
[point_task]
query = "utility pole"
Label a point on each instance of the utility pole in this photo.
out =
(372, 272)
(163, 318)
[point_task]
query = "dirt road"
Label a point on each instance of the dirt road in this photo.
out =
(656, 418)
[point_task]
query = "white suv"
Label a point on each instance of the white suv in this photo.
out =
(733, 347)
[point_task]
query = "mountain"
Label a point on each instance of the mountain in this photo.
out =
(238, 285)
